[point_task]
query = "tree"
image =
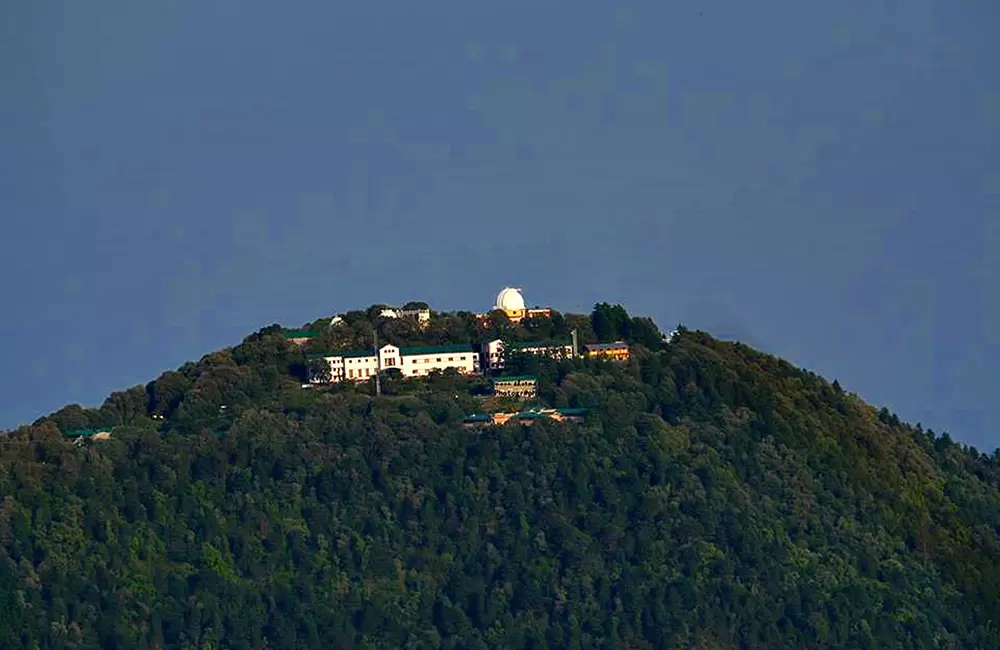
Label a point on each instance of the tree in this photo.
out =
(645, 332)
(319, 371)
(610, 323)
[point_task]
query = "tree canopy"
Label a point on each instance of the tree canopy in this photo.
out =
(715, 497)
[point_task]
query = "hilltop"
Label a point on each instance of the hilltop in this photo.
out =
(702, 494)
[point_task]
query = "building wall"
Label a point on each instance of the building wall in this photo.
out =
(360, 368)
(363, 367)
(618, 353)
(493, 352)
(421, 364)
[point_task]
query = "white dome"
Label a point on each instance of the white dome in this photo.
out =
(509, 299)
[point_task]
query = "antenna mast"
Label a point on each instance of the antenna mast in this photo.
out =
(378, 367)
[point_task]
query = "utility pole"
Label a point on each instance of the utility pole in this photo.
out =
(378, 367)
(575, 344)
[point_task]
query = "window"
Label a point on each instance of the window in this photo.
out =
(451, 358)
(439, 358)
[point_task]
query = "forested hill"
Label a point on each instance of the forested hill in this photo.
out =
(714, 497)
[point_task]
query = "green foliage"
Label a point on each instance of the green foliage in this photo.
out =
(715, 498)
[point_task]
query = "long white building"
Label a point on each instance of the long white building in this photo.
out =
(493, 351)
(361, 365)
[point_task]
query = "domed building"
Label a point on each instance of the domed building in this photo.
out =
(511, 302)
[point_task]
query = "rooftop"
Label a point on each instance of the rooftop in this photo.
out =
(435, 349)
(300, 334)
(617, 345)
(428, 349)
(497, 380)
(538, 344)
(82, 433)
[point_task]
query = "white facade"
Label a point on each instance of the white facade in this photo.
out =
(422, 316)
(411, 362)
(493, 351)
(415, 362)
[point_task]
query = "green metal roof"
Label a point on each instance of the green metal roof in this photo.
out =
(436, 349)
(514, 378)
(300, 334)
(572, 411)
(537, 344)
(321, 355)
(479, 417)
(81, 433)
(355, 353)
(617, 345)
(430, 349)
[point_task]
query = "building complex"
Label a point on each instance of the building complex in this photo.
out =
(361, 365)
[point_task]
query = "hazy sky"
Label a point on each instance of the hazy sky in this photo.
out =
(818, 179)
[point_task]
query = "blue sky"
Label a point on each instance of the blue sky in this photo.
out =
(820, 180)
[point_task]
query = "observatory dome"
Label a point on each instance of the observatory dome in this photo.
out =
(510, 300)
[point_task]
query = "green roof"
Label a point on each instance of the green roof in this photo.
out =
(430, 349)
(514, 378)
(340, 353)
(479, 417)
(538, 344)
(572, 411)
(354, 353)
(606, 346)
(300, 334)
(81, 433)
(436, 349)
(320, 355)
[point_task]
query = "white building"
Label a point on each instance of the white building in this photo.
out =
(511, 301)
(361, 365)
(494, 350)
(422, 316)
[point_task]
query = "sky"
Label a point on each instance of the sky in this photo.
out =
(818, 180)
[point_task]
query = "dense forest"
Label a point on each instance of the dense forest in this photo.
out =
(715, 497)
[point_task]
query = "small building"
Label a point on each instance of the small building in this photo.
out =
(421, 315)
(511, 302)
(299, 337)
(538, 312)
(617, 351)
(521, 386)
(526, 417)
(78, 435)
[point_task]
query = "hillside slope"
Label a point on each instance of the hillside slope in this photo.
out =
(714, 498)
